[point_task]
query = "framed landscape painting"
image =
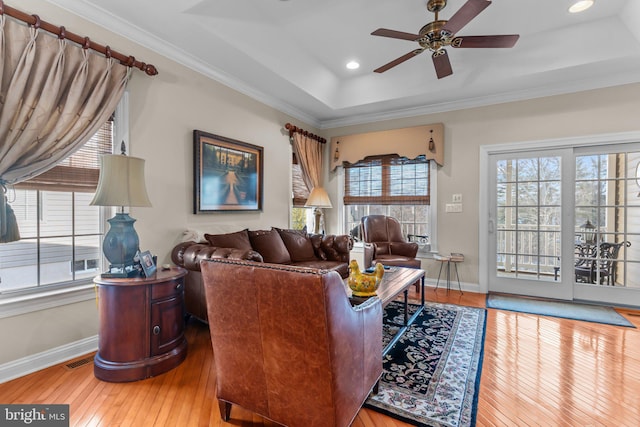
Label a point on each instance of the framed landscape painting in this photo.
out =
(227, 174)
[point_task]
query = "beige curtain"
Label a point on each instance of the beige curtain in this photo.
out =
(54, 95)
(309, 153)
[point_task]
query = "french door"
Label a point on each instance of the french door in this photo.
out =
(529, 205)
(565, 223)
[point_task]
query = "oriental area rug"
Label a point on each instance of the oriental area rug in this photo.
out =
(431, 377)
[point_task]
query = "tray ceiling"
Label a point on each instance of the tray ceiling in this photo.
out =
(291, 54)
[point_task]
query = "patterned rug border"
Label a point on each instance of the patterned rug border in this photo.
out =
(478, 347)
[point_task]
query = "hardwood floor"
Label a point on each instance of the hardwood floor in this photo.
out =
(537, 371)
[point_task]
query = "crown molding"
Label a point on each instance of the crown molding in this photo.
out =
(562, 88)
(106, 19)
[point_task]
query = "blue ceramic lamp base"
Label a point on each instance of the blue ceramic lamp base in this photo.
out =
(120, 246)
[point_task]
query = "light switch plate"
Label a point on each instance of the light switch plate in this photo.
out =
(453, 207)
(456, 198)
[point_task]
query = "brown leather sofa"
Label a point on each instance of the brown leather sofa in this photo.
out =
(288, 345)
(277, 246)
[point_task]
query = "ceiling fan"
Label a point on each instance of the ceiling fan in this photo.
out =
(438, 34)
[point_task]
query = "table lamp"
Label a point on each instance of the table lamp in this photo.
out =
(318, 199)
(121, 184)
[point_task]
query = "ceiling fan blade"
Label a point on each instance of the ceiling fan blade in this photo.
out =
(398, 61)
(441, 63)
(466, 13)
(508, 40)
(383, 32)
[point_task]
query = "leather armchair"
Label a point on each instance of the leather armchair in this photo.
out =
(287, 343)
(384, 243)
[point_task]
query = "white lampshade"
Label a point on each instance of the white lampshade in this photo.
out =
(121, 182)
(318, 199)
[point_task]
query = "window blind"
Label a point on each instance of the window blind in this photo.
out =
(387, 180)
(78, 172)
(300, 190)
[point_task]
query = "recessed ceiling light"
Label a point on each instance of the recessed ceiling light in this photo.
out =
(353, 65)
(581, 6)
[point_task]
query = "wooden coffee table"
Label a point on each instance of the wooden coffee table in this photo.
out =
(396, 281)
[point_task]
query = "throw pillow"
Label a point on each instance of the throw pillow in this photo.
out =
(238, 240)
(269, 244)
(298, 244)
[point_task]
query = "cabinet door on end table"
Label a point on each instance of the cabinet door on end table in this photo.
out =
(167, 325)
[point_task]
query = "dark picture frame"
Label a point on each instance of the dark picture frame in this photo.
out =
(148, 265)
(227, 174)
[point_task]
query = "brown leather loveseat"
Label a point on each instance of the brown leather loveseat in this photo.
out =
(288, 345)
(277, 246)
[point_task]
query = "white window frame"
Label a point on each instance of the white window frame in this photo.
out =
(433, 211)
(30, 300)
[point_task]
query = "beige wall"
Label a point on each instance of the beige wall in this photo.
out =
(43, 330)
(165, 109)
(164, 112)
(587, 113)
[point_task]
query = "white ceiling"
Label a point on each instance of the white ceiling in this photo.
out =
(291, 54)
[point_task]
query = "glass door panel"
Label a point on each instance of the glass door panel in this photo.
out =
(527, 211)
(607, 219)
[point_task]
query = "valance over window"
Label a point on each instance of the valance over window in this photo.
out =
(409, 142)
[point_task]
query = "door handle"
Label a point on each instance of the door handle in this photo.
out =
(492, 226)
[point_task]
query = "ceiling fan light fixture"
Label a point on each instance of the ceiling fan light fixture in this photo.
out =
(581, 6)
(438, 34)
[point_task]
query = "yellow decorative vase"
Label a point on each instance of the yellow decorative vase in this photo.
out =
(364, 284)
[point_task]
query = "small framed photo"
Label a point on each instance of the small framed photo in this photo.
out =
(148, 266)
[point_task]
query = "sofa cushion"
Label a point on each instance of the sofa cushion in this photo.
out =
(341, 267)
(270, 245)
(298, 244)
(238, 240)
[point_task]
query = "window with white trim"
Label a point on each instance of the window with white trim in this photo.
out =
(393, 186)
(61, 234)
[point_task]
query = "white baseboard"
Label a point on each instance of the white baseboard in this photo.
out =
(466, 286)
(35, 362)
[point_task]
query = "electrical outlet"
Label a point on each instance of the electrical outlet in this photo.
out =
(456, 198)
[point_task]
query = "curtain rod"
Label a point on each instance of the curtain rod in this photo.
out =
(293, 129)
(85, 42)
